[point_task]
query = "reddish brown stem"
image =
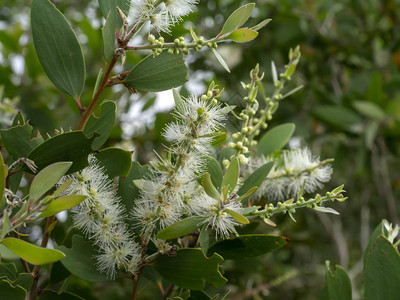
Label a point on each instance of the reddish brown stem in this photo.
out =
(98, 93)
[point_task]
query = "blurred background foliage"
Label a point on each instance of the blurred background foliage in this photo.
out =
(349, 109)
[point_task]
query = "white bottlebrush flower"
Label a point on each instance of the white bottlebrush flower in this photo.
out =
(216, 216)
(141, 11)
(100, 217)
(179, 8)
(291, 170)
(122, 256)
(196, 121)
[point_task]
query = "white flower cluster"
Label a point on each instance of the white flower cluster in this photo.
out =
(100, 217)
(160, 14)
(172, 191)
(290, 171)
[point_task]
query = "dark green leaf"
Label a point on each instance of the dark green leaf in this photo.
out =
(80, 260)
(204, 238)
(382, 271)
(47, 178)
(181, 228)
(256, 178)
(213, 167)
(158, 73)
(101, 125)
(51, 295)
(24, 280)
(243, 35)
(190, 269)
(18, 140)
(111, 5)
(8, 270)
(231, 175)
(237, 18)
(31, 253)
(275, 139)
(7, 291)
(58, 48)
(246, 246)
(18, 120)
(116, 162)
(127, 189)
(338, 284)
(70, 146)
(109, 34)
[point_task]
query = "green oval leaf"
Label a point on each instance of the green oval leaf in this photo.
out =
(18, 140)
(209, 188)
(243, 35)
(213, 167)
(246, 246)
(338, 284)
(237, 18)
(181, 228)
(58, 48)
(237, 216)
(80, 260)
(70, 146)
(382, 271)
(60, 204)
(31, 253)
(190, 269)
(102, 124)
(255, 178)
(221, 60)
(158, 73)
(275, 139)
(338, 116)
(116, 162)
(231, 175)
(47, 178)
(113, 22)
(369, 109)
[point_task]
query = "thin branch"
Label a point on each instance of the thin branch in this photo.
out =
(36, 269)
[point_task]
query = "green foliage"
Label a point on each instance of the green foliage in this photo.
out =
(181, 228)
(338, 284)
(116, 162)
(79, 260)
(158, 73)
(191, 269)
(381, 270)
(60, 204)
(70, 146)
(58, 48)
(33, 254)
(47, 178)
(101, 125)
(237, 18)
(247, 246)
(275, 139)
